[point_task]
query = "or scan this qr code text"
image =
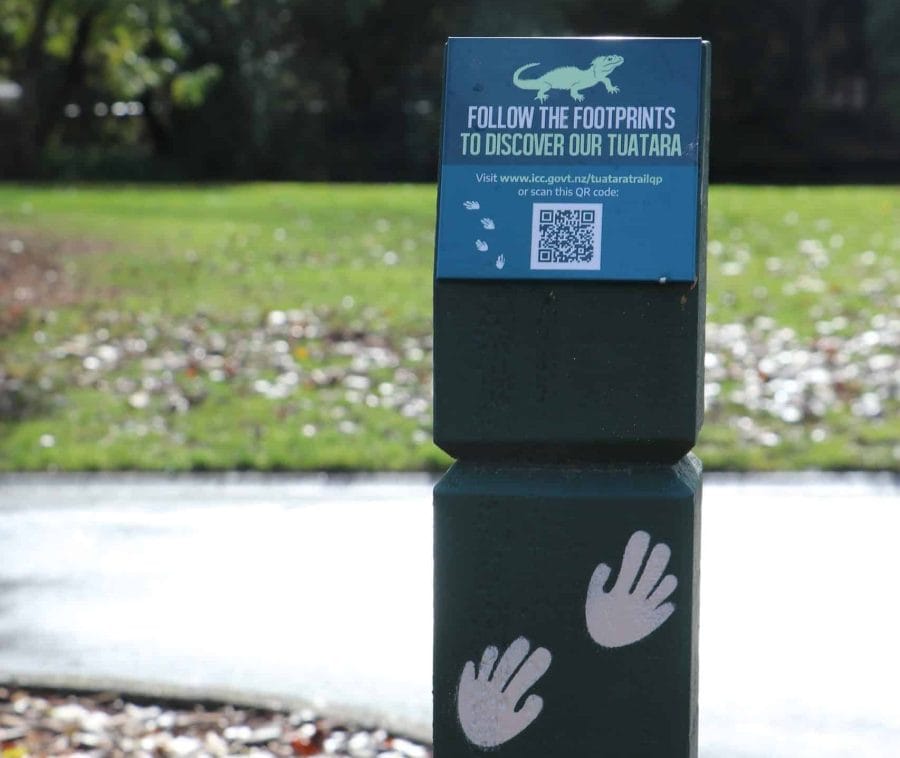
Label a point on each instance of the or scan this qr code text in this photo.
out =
(566, 236)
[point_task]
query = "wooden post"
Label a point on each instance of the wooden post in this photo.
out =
(569, 310)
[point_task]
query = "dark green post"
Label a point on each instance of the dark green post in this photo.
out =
(569, 307)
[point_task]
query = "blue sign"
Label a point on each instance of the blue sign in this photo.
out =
(570, 158)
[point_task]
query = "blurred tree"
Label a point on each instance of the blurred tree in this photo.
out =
(883, 36)
(58, 50)
(350, 89)
(791, 80)
(312, 88)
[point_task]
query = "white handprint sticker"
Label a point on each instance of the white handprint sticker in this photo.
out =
(486, 702)
(629, 612)
(501, 261)
(471, 205)
(481, 246)
(488, 223)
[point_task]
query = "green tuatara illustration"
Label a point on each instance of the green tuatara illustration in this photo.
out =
(571, 78)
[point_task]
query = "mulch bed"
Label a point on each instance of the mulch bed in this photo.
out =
(50, 723)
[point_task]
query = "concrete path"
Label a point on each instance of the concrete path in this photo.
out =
(320, 589)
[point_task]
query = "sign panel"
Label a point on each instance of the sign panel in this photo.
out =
(570, 158)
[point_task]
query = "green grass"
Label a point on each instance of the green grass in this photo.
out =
(755, 227)
(180, 250)
(149, 260)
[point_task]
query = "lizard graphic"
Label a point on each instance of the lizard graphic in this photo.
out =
(571, 78)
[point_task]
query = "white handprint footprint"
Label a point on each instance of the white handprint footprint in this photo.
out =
(488, 223)
(471, 205)
(501, 261)
(622, 616)
(481, 245)
(486, 702)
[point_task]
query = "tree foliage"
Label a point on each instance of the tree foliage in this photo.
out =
(883, 36)
(62, 51)
(350, 89)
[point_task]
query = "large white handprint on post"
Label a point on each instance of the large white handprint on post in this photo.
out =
(629, 612)
(486, 702)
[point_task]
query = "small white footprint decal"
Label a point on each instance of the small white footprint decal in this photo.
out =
(488, 223)
(501, 261)
(471, 205)
(481, 245)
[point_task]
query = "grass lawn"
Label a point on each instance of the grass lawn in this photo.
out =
(288, 327)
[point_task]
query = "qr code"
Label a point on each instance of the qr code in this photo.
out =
(566, 236)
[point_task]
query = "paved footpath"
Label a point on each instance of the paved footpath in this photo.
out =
(320, 589)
